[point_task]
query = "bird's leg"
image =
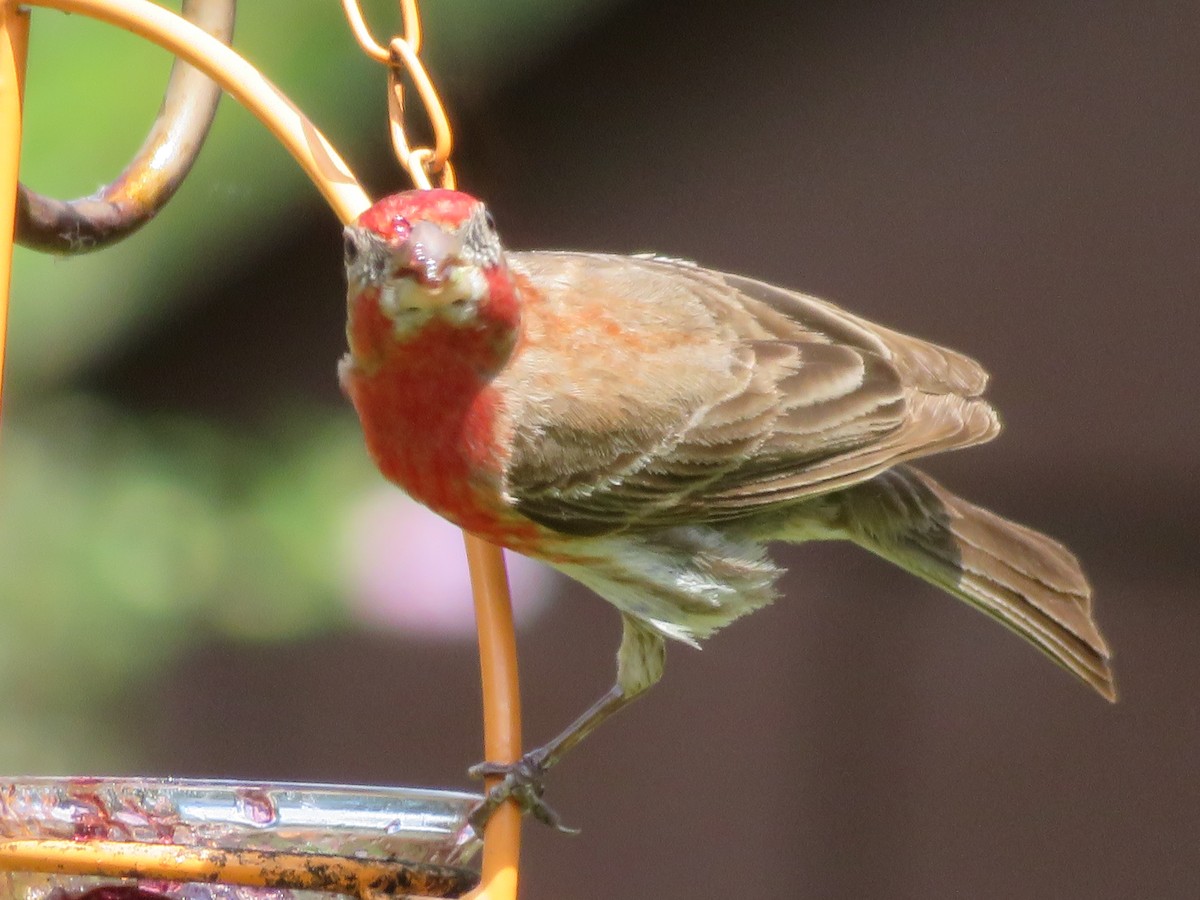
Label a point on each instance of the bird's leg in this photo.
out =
(640, 662)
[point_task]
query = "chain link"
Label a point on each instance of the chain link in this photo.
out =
(425, 165)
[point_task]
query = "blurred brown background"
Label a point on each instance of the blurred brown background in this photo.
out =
(1018, 180)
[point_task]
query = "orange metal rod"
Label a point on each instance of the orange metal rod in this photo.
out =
(366, 879)
(243, 82)
(334, 179)
(14, 38)
(501, 711)
(116, 210)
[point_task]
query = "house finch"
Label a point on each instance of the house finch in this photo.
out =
(647, 426)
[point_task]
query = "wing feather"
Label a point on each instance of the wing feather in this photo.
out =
(657, 393)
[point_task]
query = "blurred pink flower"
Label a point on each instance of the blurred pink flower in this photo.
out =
(406, 570)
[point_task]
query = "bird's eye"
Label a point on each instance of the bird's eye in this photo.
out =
(351, 249)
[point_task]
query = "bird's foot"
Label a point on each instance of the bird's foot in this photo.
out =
(522, 782)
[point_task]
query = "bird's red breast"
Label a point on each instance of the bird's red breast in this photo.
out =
(431, 417)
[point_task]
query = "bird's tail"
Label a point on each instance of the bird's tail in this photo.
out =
(1027, 581)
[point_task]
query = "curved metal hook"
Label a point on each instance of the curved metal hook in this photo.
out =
(152, 177)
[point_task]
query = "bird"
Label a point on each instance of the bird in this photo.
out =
(648, 426)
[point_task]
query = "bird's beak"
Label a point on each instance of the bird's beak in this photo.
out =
(427, 253)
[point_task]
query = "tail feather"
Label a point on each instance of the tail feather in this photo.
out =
(1027, 581)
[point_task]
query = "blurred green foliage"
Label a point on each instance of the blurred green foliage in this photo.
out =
(122, 541)
(125, 539)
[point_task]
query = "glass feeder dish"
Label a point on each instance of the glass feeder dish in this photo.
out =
(152, 839)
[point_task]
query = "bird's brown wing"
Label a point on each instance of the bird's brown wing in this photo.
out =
(658, 393)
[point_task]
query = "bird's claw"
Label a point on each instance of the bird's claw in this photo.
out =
(521, 782)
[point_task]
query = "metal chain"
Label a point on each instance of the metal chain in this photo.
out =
(425, 165)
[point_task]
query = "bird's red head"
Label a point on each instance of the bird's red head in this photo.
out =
(423, 251)
(422, 235)
(392, 217)
(430, 263)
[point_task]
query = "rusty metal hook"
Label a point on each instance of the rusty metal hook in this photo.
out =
(155, 173)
